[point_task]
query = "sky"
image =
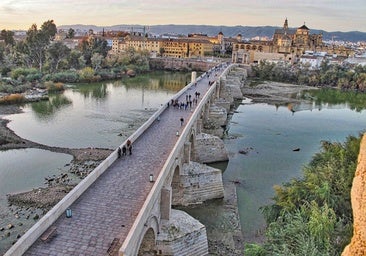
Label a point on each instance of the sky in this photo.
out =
(328, 15)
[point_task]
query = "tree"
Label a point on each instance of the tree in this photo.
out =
(73, 59)
(70, 33)
(56, 53)
(96, 61)
(9, 58)
(7, 36)
(92, 45)
(37, 41)
(49, 29)
(313, 215)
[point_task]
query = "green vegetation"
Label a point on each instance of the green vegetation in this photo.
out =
(38, 58)
(313, 215)
(338, 76)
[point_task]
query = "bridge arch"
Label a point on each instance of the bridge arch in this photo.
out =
(147, 245)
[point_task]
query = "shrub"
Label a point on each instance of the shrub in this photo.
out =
(65, 77)
(54, 87)
(33, 77)
(87, 74)
(14, 88)
(21, 73)
(106, 75)
(6, 88)
(12, 98)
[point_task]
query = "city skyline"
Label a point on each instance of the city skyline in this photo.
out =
(328, 15)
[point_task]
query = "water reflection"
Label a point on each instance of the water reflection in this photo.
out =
(331, 97)
(46, 109)
(167, 81)
(93, 90)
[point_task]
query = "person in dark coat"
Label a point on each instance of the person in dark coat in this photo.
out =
(124, 150)
(129, 147)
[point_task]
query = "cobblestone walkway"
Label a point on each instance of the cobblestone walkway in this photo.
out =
(109, 206)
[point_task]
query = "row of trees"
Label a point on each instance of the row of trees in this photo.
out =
(313, 215)
(38, 57)
(340, 76)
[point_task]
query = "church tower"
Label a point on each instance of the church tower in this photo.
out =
(220, 37)
(285, 25)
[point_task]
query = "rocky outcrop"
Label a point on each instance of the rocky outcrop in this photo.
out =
(357, 247)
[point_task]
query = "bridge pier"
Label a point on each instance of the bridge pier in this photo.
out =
(182, 235)
(187, 152)
(197, 184)
(165, 203)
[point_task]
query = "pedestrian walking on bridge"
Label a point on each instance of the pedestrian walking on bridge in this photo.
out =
(124, 150)
(129, 147)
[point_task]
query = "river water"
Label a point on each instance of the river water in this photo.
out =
(268, 135)
(93, 115)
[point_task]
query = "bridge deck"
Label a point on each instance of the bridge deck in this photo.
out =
(108, 208)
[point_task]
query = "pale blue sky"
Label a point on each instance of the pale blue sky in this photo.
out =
(329, 15)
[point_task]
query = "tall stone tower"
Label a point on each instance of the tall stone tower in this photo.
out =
(285, 25)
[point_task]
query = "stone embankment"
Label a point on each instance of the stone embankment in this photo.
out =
(357, 247)
(181, 64)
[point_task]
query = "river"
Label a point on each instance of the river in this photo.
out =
(103, 115)
(269, 134)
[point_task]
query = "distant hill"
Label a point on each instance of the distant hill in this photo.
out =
(228, 31)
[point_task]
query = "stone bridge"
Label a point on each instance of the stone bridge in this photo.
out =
(124, 207)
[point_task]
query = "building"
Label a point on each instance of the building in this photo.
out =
(287, 45)
(193, 46)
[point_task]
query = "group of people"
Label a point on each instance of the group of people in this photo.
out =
(125, 148)
(189, 102)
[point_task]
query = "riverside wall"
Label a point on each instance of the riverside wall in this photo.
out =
(181, 64)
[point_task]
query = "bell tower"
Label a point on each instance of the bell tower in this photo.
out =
(285, 25)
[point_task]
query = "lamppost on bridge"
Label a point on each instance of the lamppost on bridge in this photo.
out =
(68, 213)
